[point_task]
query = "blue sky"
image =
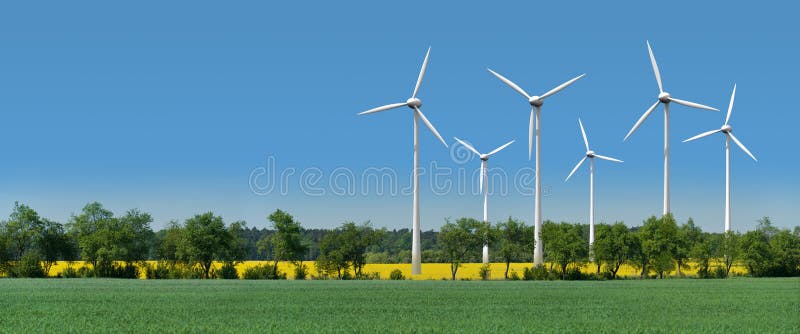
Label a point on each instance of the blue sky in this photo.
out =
(171, 107)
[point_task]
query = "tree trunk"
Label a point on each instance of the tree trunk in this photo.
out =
(598, 268)
(564, 271)
(679, 267)
(453, 270)
(508, 264)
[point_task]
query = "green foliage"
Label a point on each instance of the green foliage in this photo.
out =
(485, 272)
(28, 266)
(564, 244)
(21, 229)
(300, 271)
(537, 273)
(345, 248)
(513, 240)
(264, 271)
(227, 271)
(458, 240)
(659, 239)
(396, 275)
(613, 246)
(206, 239)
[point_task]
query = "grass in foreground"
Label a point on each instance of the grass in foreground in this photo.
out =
(667, 306)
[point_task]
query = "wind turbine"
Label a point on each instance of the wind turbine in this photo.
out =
(414, 103)
(665, 98)
(484, 185)
(728, 131)
(591, 155)
(536, 104)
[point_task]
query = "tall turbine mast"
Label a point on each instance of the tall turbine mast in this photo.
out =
(484, 185)
(727, 130)
(536, 104)
(665, 98)
(415, 104)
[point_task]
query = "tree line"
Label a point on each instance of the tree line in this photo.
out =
(118, 246)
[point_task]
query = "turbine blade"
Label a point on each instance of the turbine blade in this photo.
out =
(692, 104)
(730, 106)
(742, 146)
(382, 108)
(468, 146)
(562, 86)
(530, 136)
(641, 119)
(607, 158)
(704, 134)
(574, 169)
(510, 84)
(499, 148)
(421, 73)
(655, 68)
(430, 126)
(583, 133)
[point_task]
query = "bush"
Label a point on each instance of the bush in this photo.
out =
(369, 276)
(575, 274)
(30, 265)
(720, 272)
(265, 271)
(300, 271)
(227, 271)
(513, 276)
(485, 272)
(158, 271)
(69, 272)
(396, 275)
(537, 273)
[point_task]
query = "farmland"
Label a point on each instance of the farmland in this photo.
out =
(672, 305)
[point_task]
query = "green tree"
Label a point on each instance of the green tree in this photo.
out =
(332, 259)
(730, 249)
(287, 242)
(613, 246)
(98, 236)
(565, 244)
(457, 240)
(659, 237)
(52, 243)
(205, 239)
(23, 226)
(703, 251)
(687, 237)
(785, 249)
(511, 241)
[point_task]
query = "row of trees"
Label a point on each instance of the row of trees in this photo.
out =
(30, 244)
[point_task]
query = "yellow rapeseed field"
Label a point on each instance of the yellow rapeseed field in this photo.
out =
(430, 271)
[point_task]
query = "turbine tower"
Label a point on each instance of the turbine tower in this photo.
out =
(484, 185)
(727, 130)
(414, 103)
(536, 104)
(591, 155)
(665, 98)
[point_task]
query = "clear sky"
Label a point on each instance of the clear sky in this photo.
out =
(177, 108)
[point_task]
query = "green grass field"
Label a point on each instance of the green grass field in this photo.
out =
(739, 305)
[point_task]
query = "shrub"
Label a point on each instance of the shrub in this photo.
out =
(485, 272)
(369, 276)
(300, 271)
(396, 275)
(537, 273)
(227, 271)
(69, 272)
(30, 265)
(513, 276)
(159, 271)
(574, 274)
(265, 271)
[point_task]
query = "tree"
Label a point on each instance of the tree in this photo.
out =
(205, 239)
(687, 237)
(730, 249)
(98, 236)
(287, 242)
(459, 239)
(169, 241)
(347, 246)
(331, 259)
(22, 227)
(658, 237)
(511, 241)
(565, 244)
(52, 243)
(703, 251)
(613, 246)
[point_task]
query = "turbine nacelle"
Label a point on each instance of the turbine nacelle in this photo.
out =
(726, 128)
(535, 101)
(484, 157)
(414, 103)
(664, 97)
(590, 154)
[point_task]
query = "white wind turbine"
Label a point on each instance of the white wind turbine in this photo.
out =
(414, 103)
(536, 104)
(591, 155)
(665, 98)
(484, 185)
(728, 131)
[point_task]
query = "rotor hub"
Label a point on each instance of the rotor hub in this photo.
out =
(664, 97)
(590, 154)
(726, 128)
(484, 157)
(535, 101)
(414, 103)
